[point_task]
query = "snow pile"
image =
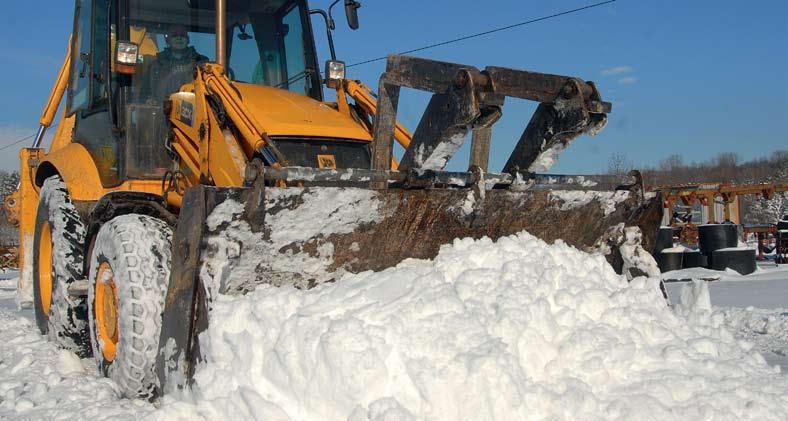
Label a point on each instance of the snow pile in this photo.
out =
(577, 198)
(516, 329)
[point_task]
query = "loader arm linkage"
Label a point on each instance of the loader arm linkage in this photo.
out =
(365, 100)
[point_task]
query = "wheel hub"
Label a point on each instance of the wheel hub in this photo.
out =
(45, 268)
(106, 311)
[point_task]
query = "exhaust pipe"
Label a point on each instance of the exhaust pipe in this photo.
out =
(221, 30)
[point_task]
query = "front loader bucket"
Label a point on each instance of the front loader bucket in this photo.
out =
(229, 240)
(340, 221)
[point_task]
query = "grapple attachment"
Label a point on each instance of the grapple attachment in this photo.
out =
(467, 99)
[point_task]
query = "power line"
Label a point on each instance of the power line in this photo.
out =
(426, 47)
(503, 28)
(17, 142)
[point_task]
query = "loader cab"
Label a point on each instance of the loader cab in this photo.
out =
(119, 114)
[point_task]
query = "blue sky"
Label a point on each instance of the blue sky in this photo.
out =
(690, 77)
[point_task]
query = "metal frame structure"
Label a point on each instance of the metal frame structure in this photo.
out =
(707, 194)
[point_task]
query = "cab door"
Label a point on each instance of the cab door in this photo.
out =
(88, 93)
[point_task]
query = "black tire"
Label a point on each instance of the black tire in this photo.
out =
(669, 261)
(740, 260)
(65, 321)
(137, 249)
(713, 237)
(664, 239)
(694, 259)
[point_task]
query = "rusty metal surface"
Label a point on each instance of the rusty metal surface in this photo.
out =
(415, 223)
(437, 77)
(466, 98)
(442, 129)
(555, 124)
(385, 122)
(551, 127)
(174, 362)
(423, 221)
(480, 148)
(423, 74)
(309, 177)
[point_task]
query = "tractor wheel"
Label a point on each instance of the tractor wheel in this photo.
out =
(57, 262)
(129, 275)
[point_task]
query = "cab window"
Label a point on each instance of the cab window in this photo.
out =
(80, 57)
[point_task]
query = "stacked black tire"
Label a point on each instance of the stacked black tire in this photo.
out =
(666, 261)
(718, 242)
(694, 259)
(718, 250)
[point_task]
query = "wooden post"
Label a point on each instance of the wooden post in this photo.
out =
(712, 211)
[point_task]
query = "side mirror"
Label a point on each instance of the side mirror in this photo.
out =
(351, 7)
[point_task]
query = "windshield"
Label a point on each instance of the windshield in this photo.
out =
(268, 43)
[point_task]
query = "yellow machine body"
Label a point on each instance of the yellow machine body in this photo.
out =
(220, 157)
(172, 145)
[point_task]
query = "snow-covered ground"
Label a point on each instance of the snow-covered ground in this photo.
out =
(38, 381)
(755, 306)
(514, 329)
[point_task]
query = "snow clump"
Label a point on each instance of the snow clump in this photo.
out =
(578, 198)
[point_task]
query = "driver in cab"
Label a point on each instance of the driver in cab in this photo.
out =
(173, 66)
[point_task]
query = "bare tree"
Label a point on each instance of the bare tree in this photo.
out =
(723, 168)
(761, 211)
(671, 163)
(8, 233)
(618, 164)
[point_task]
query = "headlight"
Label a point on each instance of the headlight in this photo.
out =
(126, 54)
(335, 72)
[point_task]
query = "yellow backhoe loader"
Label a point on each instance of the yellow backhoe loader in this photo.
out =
(196, 156)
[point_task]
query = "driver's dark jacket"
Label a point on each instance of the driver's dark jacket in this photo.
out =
(167, 73)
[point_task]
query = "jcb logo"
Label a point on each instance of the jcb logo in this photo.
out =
(326, 161)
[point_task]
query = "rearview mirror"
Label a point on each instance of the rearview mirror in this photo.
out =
(351, 7)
